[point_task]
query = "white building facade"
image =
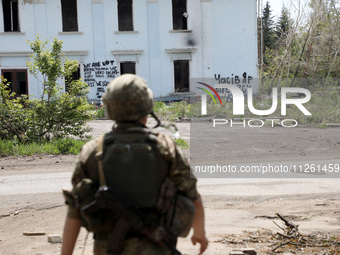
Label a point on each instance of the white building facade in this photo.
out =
(167, 42)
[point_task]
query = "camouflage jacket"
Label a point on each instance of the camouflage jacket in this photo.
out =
(179, 172)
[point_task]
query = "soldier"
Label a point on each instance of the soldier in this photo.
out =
(135, 164)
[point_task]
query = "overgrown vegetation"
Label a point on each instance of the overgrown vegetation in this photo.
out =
(56, 114)
(306, 45)
(53, 146)
(174, 111)
(98, 112)
(324, 106)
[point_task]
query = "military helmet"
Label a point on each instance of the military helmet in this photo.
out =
(127, 97)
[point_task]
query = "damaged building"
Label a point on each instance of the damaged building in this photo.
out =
(167, 42)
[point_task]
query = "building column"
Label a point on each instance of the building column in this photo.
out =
(154, 47)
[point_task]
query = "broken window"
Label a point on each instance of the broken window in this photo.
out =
(73, 77)
(125, 21)
(179, 15)
(18, 81)
(11, 15)
(127, 67)
(69, 15)
(181, 69)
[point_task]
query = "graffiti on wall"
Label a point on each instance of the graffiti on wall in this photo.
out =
(242, 82)
(98, 75)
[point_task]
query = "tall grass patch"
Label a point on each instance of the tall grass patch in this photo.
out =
(54, 146)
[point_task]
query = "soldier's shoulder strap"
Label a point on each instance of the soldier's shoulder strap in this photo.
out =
(99, 157)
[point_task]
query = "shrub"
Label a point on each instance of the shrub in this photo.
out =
(55, 113)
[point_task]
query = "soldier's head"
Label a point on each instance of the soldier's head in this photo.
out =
(128, 98)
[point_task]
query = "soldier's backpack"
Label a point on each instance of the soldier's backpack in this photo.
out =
(131, 165)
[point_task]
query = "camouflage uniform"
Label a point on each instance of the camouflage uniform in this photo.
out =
(179, 173)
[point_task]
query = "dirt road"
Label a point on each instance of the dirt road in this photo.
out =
(31, 200)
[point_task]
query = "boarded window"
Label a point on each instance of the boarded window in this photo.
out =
(181, 69)
(69, 15)
(127, 67)
(125, 20)
(73, 77)
(11, 15)
(179, 14)
(18, 81)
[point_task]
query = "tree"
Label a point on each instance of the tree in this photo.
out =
(306, 47)
(283, 25)
(267, 38)
(268, 27)
(56, 113)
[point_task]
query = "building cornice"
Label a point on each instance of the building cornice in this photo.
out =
(29, 53)
(127, 52)
(16, 54)
(122, 53)
(179, 51)
(75, 53)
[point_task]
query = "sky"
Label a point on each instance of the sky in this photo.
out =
(276, 6)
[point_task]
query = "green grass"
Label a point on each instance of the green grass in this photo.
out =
(324, 107)
(322, 125)
(55, 146)
(182, 143)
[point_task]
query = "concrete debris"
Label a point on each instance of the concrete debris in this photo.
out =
(236, 253)
(249, 251)
(243, 251)
(54, 239)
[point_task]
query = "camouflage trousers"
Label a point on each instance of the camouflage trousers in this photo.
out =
(133, 246)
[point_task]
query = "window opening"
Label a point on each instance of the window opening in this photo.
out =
(18, 81)
(11, 15)
(127, 67)
(179, 15)
(69, 15)
(181, 69)
(125, 20)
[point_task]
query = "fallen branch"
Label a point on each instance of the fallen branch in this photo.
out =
(292, 228)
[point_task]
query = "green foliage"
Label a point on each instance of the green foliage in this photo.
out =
(68, 145)
(283, 25)
(182, 143)
(268, 39)
(304, 47)
(100, 113)
(324, 106)
(97, 112)
(6, 147)
(322, 126)
(14, 114)
(55, 146)
(158, 106)
(56, 113)
(173, 111)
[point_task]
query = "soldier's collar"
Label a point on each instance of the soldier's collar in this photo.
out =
(129, 125)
